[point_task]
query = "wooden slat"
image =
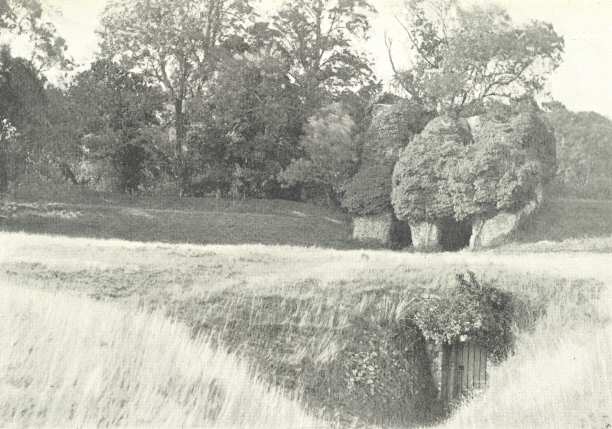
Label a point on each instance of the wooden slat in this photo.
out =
(477, 363)
(452, 373)
(461, 374)
(483, 369)
(469, 368)
(444, 376)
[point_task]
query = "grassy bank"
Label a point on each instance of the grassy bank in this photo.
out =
(71, 362)
(296, 313)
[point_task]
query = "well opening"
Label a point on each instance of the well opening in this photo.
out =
(455, 235)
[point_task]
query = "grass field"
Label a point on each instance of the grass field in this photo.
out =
(186, 220)
(265, 287)
(574, 330)
(562, 225)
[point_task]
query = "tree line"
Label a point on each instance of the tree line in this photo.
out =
(199, 97)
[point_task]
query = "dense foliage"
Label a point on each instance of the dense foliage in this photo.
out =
(584, 152)
(424, 176)
(249, 127)
(453, 170)
(117, 144)
(209, 97)
(391, 128)
(22, 114)
(330, 151)
(468, 310)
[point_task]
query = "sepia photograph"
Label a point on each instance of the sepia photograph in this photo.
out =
(306, 214)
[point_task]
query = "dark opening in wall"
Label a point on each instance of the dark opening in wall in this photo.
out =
(455, 235)
(401, 236)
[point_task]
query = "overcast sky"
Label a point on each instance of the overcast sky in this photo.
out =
(583, 82)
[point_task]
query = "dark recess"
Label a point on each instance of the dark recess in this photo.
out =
(455, 235)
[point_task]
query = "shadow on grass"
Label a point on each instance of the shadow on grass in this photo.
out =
(273, 225)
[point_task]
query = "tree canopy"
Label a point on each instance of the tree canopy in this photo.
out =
(25, 18)
(466, 55)
(319, 39)
(176, 43)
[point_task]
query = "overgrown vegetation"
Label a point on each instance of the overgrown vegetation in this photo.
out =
(454, 170)
(369, 191)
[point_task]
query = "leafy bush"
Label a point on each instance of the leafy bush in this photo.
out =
(392, 127)
(423, 178)
(469, 309)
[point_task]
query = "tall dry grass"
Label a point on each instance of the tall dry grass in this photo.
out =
(71, 362)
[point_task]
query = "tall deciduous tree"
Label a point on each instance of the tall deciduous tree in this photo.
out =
(175, 42)
(464, 56)
(252, 123)
(115, 108)
(320, 38)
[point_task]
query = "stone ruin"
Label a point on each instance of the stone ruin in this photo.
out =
(393, 128)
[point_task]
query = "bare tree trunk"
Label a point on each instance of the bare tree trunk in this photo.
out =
(181, 167)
